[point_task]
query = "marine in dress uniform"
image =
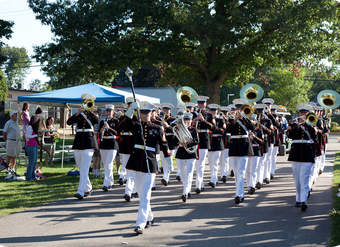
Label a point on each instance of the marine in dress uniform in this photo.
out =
(216, 143)
(84, 145)
(302, 154)
(142, 162)
(108, 145)
(205, 124)
(186, 160)
(240, 148)
(277, 139)
(224, 160)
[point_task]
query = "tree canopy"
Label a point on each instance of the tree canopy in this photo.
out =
(5, 32)
(194, 42)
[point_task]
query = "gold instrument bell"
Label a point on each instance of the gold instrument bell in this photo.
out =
(329, 99)
(247, 110)
(88, 102)
(251, 92)
(186, 95)
(311, 119)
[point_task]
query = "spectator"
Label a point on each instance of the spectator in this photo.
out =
(11, 135)
(49, 144)
(31, 149)
(25, 118)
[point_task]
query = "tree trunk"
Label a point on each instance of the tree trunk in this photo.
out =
(214, 92)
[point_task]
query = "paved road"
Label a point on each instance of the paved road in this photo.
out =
(267, 218)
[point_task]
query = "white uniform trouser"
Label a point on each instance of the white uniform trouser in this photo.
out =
(187, 171)
(108, 155)
(239, 165)
(260, 169)
(273, 159)
(224, 161)
(251, 172)
(83, 160)
(301, 173)
(267, 163)
(144, 183)
(200, 166)
(213, 159)
(323, 160)
(123, 159)
(167, 165)
(314, 171)
(130, 186)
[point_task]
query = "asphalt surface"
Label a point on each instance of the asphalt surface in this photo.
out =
(267, 218)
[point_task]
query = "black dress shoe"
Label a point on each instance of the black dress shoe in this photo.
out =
(162, 171)
(138, 230)
(134, 195)
(105, 189)
(88, 193)
(303, 207)
(178, 178)
(271, 176)
(298, 204)
(149, 223)
(237, 200)
(224, 179)
(198, 191)
(184, 198)
(309, 193)
(189, 195)
(127, 197)
(258, 185)
(164, 182)
(121, 182)
(212, 184)
(77, 195)
(266, 180)
(320, 172)
(232, 173)
(251, 191)
(202, 189)
(153, 188)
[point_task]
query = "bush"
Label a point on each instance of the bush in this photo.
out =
(335, 127)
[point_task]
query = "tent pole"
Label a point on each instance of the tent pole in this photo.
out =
(62, 153)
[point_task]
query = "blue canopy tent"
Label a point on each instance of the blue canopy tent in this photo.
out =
(72, 96)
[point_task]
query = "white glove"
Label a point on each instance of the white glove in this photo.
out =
(133, 106)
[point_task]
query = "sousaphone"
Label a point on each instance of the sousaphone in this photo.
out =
(329, 99)
(251, 92)
(186, 95)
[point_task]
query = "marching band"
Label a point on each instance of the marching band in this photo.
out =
(243, 139)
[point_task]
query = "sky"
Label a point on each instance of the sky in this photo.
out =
(27, 32)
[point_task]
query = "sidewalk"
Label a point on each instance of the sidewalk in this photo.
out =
(267, 218)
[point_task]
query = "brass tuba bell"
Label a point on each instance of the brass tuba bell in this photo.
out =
(186, 95)
(251, 92)
(329, 99)
(247, 110)
(311, 119)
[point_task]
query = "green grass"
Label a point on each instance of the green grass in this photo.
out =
(17, 196)
(335, 213)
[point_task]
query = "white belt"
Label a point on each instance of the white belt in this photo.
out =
(216, 135)
(109, 137)
(302, 141)
(203, 131)
(238, 136)
(84, 130)
(145, 148)
(126, 134)
(169, 134)
(255, 145)
(228, 134)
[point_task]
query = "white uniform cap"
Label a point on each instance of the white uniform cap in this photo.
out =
(167, 105)
(260, 106)
(268, 101)
(87, 96)
(187, 116)
(213, 106)
(274, 107)
(129, 100)
(304, 107)
(109, 107)
(202, 98)
(180, 110)
(239, 102)
(232, 107)
(225, 108)
(144, 105)
(190, 104)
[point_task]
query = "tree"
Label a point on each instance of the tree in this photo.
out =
(5, 32)
(16, 65)
(206, 43)
(287, 88)
(3, 87)
(36, 85)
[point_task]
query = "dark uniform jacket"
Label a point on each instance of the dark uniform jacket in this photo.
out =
(152, 135)
(257, 142)
(126, 140)
(203, 128)
(169, 134)
(84, 140)
(111, 143)
(182, 153)
(266, 122)
(240, 146)
(216, 137)
(301, 152)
